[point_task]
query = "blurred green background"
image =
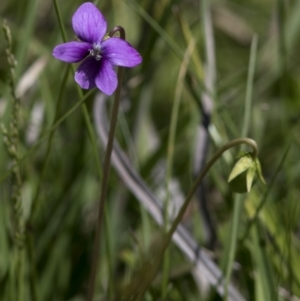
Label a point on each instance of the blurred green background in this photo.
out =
(67, 187)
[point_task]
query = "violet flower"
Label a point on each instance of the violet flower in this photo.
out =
(100, 55)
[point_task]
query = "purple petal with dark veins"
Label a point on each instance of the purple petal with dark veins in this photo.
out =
(106, 79)
(71, 52)
(120, 53)
(88, 23)
(87, 72)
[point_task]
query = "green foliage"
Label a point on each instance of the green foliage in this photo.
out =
(60, 184)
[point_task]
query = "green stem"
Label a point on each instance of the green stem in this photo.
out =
(21, 275)
(202, 174)
(96, 155)
(79, 91)
(30, 237)
(237, 211)
(46, 134)
(190, 194)
(60, 21)
(32, 267)
(171, 143)
(169, 41)
(238, 201)
(249, 91)
(109, 253)
(46, 160)
(106, 169)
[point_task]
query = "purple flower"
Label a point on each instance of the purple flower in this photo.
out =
(100, 55)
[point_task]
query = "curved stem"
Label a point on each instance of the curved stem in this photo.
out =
(204, 171)
(189, 196)
(119, 29)
(106, 170)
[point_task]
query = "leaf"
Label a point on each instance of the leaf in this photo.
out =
(241, 166)
(250, 177)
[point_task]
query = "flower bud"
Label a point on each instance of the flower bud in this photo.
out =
(244, 173)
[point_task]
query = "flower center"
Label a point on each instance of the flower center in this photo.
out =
(96, 51)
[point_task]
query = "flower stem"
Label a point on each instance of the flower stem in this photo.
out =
(189, 196)
(106, 169)
(107, 158)
(204, 171)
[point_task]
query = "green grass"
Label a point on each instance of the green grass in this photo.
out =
(255, 93)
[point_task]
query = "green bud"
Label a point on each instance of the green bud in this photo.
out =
(244, 173)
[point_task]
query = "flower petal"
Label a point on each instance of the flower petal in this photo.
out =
(106, 80)
(120, 53)
(71, 52)
(88, 23)
(87, 72)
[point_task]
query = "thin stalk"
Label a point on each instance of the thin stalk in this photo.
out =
(282, 51)
(21, 281)
(12, 276)
(109, 253)
(60, 21)
(170, 42)
(87, 120)
(238, 200)
(249, 91)
(190, 194)
(106, 169)
(202, 174)
(32, 263)
(237, 212)
(46, 134)
(28, 24)
(92, 137)
(170, 155)
(30, 237)
(49, 145)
